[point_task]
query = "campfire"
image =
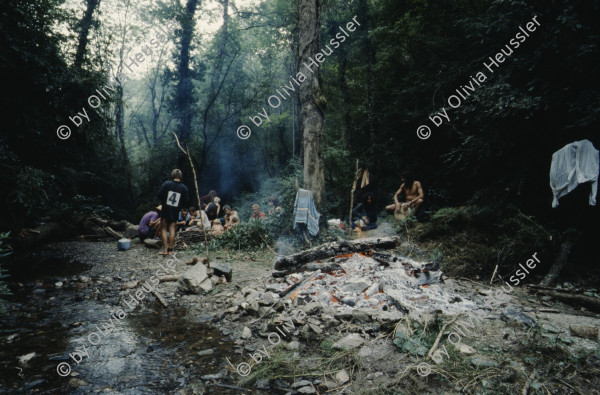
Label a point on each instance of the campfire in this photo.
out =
(368, 279)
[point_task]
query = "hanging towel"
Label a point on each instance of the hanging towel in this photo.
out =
(572, 165)
(305, 211)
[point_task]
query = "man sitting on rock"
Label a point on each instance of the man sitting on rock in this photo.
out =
(413, 191)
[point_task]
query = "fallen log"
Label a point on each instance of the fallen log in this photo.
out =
(589, 302)
(331, 249)
(113, 233)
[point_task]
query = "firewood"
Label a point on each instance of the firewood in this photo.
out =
(331, 249)
(160, 298)
(173, 277)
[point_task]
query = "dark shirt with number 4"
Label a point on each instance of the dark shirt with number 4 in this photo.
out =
(173, 196)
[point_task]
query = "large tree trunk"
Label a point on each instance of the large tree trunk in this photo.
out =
(312, 101)
(84, 30)
(184, 93)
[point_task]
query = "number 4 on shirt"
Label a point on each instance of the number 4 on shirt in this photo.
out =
(173, 199)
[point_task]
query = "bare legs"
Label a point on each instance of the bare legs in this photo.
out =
(169, 228)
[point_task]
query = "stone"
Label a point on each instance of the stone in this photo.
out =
(372, 376)
(342, 376)
(483, 363)
(584, 331)
(193, 279)
(315, 328)
(349, 342)
(209, 351)
(246, 333)
(58, 284)
(221, 269)
(206, 285)
(214, 280)
(23, 359)
(238, 299)
(355, 286)
(253, 296)
(361, 315)
(301, 383)
(232, 310)
(511, 315)
(269, 298)
(307, 390)
(312, 308)
(465, 349)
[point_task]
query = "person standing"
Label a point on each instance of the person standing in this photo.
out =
(173, 195)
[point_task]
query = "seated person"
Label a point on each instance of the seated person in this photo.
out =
(213, 210)
(365, 214)
(207, 199)
(274, 207)
(184, 219)
(217, 229)
(150, 224)
(256, 213)
(412, 190)
(231, 217)
(198, 220)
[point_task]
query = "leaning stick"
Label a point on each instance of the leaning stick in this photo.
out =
(160, 298)
(352, 200)
(493, 275)
(439, 336)
(187, 152)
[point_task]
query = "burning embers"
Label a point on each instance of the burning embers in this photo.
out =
(375, 281)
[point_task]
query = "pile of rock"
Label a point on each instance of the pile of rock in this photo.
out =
(200, 278)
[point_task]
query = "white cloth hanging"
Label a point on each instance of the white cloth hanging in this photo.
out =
(572, 165)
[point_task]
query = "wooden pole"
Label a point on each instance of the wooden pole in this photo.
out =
(352, 200)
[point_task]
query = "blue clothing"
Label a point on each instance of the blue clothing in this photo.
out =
(305, 211)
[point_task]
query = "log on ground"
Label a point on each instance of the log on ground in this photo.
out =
(332, 249)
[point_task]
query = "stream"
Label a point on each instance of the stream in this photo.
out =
(63, 310)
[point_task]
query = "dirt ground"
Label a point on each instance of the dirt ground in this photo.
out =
(521, 343)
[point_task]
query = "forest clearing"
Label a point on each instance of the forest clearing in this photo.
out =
(299, 197)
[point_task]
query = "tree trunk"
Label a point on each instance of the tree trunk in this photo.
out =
(84, 31)
(559, 264)
(184, 92)
(312, 101)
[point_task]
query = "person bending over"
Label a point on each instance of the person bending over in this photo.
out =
(413, 191)
(150, 224)
(231, 217)
(173, 195)
(183, 220)
(198, 220)
(213, 210)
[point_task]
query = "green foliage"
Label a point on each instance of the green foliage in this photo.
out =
(250, 235)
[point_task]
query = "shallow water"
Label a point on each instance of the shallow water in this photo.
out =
(152, 349)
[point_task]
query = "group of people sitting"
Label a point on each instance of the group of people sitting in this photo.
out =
(210, 217)
(364, 215)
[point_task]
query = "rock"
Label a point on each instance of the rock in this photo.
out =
(206, 285)
(246, 333)
(511, 315)
(216, 376)
(372, 376)
(12, 337)
(342, 376)
(584, 331)
(84, 279)
(269, 298)
(214, 280)
(301, 383)
(209, 351)
(23, 359)
(232, 310)
(355, 286)
(221, 269)
(238, 299)
(307, 390)
(349, 342)
(465, 349)
(246, 290)
(329, 384)
(361, 315)
(312, 308)
(262, 384)
(483, 363)
(58, 284)
(315, 328)
(253, 296)
(153, 243)
(193, 279)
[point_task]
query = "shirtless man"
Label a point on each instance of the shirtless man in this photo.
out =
(413, 191)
